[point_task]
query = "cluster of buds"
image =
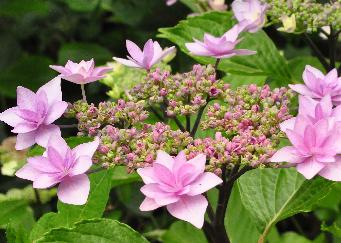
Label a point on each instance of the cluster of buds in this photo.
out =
(120, 114)
(309, 14)
(250, 119)
(182, 94)
(137, 148)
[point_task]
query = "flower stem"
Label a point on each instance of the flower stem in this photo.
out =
(83, 93)
(332, 38)
(317, 52)
(216, 64)
(197, 120)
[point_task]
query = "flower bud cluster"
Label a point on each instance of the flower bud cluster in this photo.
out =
(137, 148)
(310, 14)
(120, 114)
(183, 94)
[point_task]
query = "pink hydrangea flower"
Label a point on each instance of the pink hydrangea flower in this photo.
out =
(317, 85)
(315, 148)
(219, 47)
(251, 14)
(60, 164)
(81, 73)
(314, 111)
(178, 184)
(33, 117)
(152, 53)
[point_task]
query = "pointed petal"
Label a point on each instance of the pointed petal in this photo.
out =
(303, 90)
(190, 209)
(158, 57)
(24, 127)
(165, 159)
(44, 133)
(149, 204)
(60, 69)
(25, 140)
(134, 51)
(82, 165)
(198, 162)
(204, 183)
(306, 106)
(42, 164)
(52, 90)
(128, 63)
(288, 124)
(10, 117)
(74, 190)
(28, 172)
(56, 110)
(147, 175)
(74, 78)
(198, 50)
(148, 53)
(286, 154)
(332, 171)
(86, 149)
(309, 168)
(26, 99)
(45, 181)
(59, 144)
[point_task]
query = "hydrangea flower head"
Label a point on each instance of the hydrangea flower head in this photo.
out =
(317, 85)
(62, 165)
(81, 73)
(178, 184)
(219, 47)
(250, 14)
(314, 148)
(151, 54)
(33, 117)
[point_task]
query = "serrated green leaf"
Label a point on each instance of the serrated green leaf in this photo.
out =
(100, 185)
(267, 62)
(183, 232)
(271, 195)
(94, 231)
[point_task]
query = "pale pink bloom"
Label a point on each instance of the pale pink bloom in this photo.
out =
(152, 54)
(251, 14)
(315, 148)
(219, 47)
(218, 5)
(81, 73)
(60, 164)
(33, 117)
(178, 184)
(170, 2)
(317, 85)
(314, 111)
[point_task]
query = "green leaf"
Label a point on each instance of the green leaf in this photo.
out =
(267, 62)
(239, 226)
(81, 5)
(100, 185)
(121, 177)
(83, 51)
(18, 8)
(17, 212)
(183, 232)
(16, 233)
(298, 64)
(29, 71)
(271, 195)
(94, 231)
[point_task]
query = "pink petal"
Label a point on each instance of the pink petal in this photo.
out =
(128, 63)
(161, 197)
(148, 53)
(42, 164)
(190, 209)
(60, 69)
(26, 99)
(309, 168)
(25, 140)
(10, 117)
(198, 162)
(74, 78)
(232, 34)
(165, 159)
(286, 154)
(204, 183)
(56, 110)
(134, 51)
(52, 90)
(306, 106)
(45, 181)
(163, 174)
(331, 77)
(100, 71)
(149, 204)
(288, 124)
(44, 133)
(157, 58)
(335, 113)
(28, 172)
(59, 144)
(147, 174)
(197, 49)
(332, 171)
(303, 90)
(74, 190)
(82, 165)
(24, 127)
(86, 149)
